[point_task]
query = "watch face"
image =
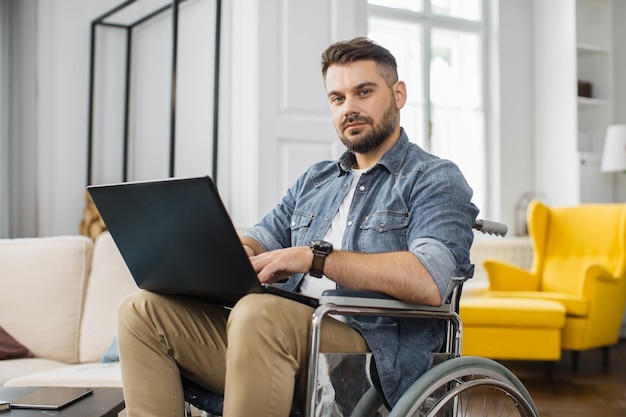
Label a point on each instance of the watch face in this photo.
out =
(325, 245)
(321, 245)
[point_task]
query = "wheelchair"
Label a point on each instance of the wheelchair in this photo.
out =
(455, 386)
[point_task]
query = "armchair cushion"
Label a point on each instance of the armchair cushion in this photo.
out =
(575, 306)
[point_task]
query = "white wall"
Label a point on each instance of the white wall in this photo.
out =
(511, 171)
(62, 79)
(23, 115)
(4, 119)
(555, 105)
(49, 47)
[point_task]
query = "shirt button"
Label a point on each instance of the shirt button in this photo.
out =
(362, 188)
(350, 223)
(293, 223)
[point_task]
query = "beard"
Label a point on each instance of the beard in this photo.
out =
(365, 142)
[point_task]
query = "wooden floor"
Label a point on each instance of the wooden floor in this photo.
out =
(592, 392)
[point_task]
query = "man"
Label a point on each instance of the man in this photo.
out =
(387, 217)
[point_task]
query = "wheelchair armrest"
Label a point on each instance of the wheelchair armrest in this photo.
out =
(356, 298)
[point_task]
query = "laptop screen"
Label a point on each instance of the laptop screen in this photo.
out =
(175, 235)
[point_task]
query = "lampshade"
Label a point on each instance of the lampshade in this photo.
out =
(614, 154)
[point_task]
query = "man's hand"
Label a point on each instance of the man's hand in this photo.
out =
(282, 263)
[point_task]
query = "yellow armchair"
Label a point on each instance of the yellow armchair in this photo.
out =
(579, 260)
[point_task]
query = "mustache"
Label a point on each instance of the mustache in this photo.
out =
(355, 118)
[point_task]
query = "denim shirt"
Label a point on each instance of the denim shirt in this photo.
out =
(409, 201)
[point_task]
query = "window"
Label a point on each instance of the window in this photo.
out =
(438, 45)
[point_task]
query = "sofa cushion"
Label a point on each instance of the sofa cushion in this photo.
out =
(16, 368)
(79, 375)
(109, 282)
(43, 282)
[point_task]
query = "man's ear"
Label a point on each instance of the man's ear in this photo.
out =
(399, 93)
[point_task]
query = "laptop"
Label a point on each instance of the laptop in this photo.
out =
(176, 237)
(51, 398)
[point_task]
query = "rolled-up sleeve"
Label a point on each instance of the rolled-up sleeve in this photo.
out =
(437, 259)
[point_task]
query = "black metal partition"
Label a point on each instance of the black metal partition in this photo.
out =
(108, 19)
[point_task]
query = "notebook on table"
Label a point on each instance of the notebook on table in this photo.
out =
(51, 398)
(176, 237)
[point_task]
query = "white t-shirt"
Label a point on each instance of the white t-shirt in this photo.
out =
(314, 287)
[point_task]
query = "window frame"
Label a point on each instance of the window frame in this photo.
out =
(427, 22)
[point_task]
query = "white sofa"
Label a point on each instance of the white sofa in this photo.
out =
(59, 300)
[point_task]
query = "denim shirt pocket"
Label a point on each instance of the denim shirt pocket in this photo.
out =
(385, 231)
(300, 222)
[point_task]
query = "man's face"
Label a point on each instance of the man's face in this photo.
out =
(364, 109)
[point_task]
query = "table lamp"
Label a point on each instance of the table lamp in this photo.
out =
(614, 154)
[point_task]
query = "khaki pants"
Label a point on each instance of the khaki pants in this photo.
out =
(257, 354)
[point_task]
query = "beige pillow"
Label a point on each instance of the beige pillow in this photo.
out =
(43, 282)
(109, 282)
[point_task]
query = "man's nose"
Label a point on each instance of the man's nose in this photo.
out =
(350, 107)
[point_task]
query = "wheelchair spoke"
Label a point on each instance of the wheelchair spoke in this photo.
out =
(478, 398)
(472, 397)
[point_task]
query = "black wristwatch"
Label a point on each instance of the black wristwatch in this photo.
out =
(321, 249)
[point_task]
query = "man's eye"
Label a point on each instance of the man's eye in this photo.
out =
(336, 100)
(365, 92)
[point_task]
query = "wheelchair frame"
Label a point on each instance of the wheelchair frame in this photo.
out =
(455, 375)
(350, 305)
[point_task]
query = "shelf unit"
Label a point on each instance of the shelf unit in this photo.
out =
(594, 63)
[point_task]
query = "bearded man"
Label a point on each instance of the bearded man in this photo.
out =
(386, 216)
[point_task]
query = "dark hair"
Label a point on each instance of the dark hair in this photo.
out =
(360, 49)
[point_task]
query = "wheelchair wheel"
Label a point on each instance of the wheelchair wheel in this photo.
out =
(466, 387)
(369, 405)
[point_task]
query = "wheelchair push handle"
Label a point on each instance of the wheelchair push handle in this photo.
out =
(490, 227)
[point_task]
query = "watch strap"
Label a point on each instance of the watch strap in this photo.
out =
(317, 266)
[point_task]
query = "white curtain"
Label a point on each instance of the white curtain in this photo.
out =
(4, 119)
